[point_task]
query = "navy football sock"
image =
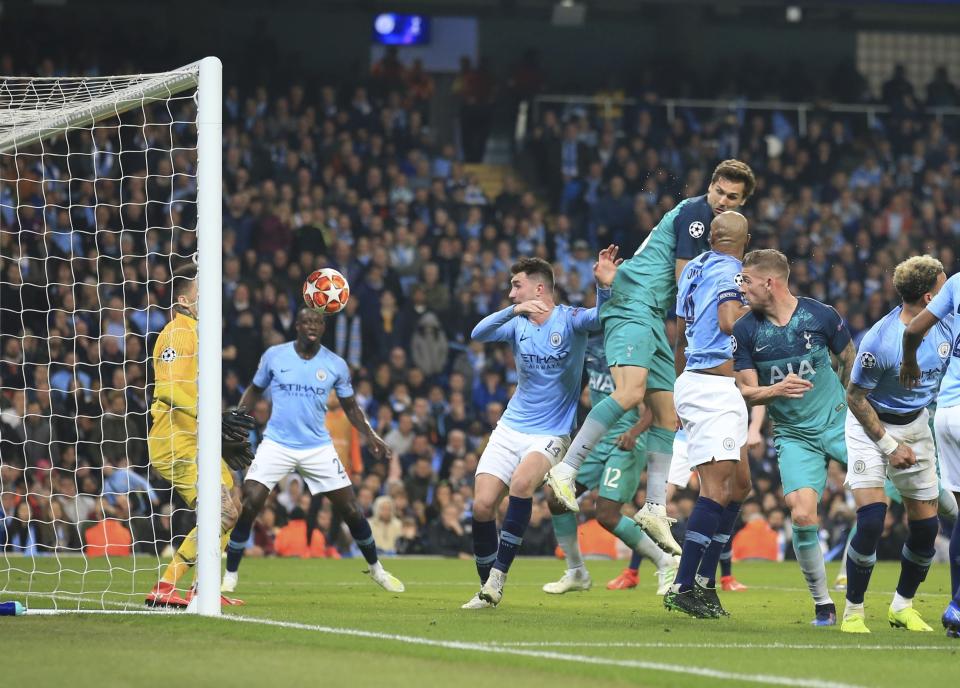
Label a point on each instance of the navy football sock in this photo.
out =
(237, 544)
(707, 571)
(511, 534)
(917, 555)
(363, 536)
(701, 527)
(484, 547)
(862, 551)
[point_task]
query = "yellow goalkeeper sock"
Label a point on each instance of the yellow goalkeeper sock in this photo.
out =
(186, 556)
(183, 559)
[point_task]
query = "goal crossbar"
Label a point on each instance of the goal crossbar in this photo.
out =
(51, 112)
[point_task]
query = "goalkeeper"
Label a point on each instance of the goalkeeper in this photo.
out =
(173, 438)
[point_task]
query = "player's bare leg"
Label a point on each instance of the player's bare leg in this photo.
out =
(525, 480)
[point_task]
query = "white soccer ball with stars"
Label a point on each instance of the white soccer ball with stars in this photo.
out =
(326, 290)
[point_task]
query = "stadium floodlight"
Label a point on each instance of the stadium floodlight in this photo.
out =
(108, 184)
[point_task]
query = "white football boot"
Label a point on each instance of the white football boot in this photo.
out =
(492, 590)
(385, 579)
(230, 580)
(562, 480)
(573, 580)
(653, 519)
(476, 602)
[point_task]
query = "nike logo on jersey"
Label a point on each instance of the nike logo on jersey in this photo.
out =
(524, 337)
(761, 348)
(284, 370)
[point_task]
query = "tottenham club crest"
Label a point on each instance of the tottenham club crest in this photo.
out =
(696, 229)
(733, 343)
(168, 355)
(944, 349)
(868, 360)
(321, 375)
(556, 339)
(806, 337)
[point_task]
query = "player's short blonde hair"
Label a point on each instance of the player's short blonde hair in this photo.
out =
(768, 260)
(916, 276)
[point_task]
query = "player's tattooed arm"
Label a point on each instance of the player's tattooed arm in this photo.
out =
(845, 363)
(912, 336)
(898, 454)
(358, 419)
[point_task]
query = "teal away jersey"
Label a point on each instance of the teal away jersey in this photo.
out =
(802, 347)
(650, 275)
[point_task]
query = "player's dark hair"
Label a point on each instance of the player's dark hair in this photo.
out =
(534, 266)
(770, 260)
(183, 277)
(736, 171)
(916, 276)
(303, 310)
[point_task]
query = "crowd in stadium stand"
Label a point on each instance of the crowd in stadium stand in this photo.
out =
(351, 177)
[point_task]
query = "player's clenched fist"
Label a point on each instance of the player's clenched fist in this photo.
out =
(793, 386)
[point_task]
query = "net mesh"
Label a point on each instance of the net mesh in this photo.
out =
(98, 208)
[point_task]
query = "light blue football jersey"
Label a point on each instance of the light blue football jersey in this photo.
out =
(877, 367)
(946, 305)
(298, 389)
(707, 281)
(549, 360)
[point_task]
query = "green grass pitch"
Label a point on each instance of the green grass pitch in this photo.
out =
(337, 628)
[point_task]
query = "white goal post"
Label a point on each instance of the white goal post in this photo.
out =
(84, 229)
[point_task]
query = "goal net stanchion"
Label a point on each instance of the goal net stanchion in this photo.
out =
(107, 186)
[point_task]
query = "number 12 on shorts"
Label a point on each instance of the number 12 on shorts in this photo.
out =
(611, 477)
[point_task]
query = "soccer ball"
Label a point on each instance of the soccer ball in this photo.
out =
(326, 290)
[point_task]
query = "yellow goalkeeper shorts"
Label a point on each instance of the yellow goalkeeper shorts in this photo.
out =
(173, 453)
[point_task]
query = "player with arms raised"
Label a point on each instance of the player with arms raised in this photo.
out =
(944, 307)
(888, 435)
(712, 412)
(548, 342)
(300, 376)
(640, 357)
(783, 360)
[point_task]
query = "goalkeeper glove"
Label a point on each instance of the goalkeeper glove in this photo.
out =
(236, 426)
(237, 453)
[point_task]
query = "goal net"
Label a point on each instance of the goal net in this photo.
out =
(105, 183)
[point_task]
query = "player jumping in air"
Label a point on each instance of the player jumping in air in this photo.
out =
(640, 357)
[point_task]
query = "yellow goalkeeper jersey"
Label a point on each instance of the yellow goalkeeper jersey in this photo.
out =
(175, 372)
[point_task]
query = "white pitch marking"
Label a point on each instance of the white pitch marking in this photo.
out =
(539, 654)
(721, 646)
